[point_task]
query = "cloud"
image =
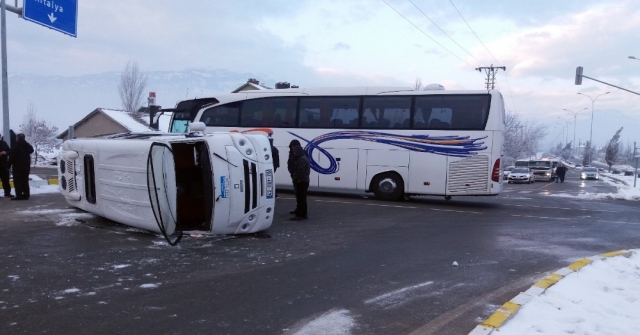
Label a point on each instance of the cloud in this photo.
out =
(341, 46)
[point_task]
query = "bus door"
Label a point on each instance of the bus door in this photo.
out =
(339, 172)
(161, 183)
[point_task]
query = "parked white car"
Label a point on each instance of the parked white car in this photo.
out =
(521, 175)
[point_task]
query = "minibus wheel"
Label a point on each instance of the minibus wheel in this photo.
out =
(388, 186)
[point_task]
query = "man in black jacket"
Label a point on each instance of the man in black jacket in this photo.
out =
(21, 161)
(300, 176)
(4, 167)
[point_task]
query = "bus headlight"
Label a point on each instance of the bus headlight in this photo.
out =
(266, 157)
(548, 173)
(241, 142)
(249, 152)
(252, 217)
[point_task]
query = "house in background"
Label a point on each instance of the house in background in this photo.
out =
(253, 84)
(103, 121)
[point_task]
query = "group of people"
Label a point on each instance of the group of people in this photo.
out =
(299, 169)
(17, 159)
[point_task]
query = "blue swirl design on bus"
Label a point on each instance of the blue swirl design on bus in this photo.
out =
(457, 146)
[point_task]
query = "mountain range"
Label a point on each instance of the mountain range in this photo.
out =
(63, 101)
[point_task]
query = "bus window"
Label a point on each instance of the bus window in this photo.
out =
(222, 116)
(386, 112)
(451, 112)
(329, 112)
(278, 112)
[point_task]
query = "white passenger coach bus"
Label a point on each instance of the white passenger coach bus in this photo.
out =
(391, 141)
(214, 183)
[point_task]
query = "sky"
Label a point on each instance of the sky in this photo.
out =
(367, 43)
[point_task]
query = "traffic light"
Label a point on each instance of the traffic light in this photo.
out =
(579, 75)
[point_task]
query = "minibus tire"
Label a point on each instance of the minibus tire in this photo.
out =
(388, 186)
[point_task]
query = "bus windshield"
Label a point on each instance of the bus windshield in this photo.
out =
(186, 112)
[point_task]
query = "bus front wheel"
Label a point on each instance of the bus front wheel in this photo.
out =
(388, 186)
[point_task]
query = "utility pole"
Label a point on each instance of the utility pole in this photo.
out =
(491, 74)
(635, 171)
(5, 81)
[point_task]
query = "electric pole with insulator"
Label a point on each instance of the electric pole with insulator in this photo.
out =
(491, 75)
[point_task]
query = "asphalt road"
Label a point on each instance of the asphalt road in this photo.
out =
(385, 267)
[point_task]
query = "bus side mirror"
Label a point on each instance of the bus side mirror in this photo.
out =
(197, 126)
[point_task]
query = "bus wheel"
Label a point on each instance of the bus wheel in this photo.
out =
(388, 186)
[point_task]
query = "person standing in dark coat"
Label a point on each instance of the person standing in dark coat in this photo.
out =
(290, 162)
(21, 161)
(4, 167)
(275, 154)
(561, 171)
(300, 176)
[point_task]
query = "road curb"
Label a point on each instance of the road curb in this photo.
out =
(510, 308)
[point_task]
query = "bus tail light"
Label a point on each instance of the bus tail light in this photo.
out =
(495, 174)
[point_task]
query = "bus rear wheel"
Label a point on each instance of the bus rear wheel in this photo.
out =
(388, 186)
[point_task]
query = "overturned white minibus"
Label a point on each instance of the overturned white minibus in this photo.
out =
(219, 183)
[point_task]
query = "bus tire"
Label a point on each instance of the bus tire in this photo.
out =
(388, 186)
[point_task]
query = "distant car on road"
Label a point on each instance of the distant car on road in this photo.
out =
(578, 167)
(590, 173)
(507, 170)
(521, 175)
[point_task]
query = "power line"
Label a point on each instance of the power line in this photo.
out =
(474, 33)
(454, 41)
(425, 34)
(492, 56)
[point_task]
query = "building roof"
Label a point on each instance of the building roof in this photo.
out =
(134, 122)
(251, 84)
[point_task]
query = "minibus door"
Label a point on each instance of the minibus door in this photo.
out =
(161, 182)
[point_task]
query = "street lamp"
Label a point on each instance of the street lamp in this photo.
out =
(575, 116)
(566, 139)
(593, 102)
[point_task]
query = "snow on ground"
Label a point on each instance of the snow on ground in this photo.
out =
(625, 190)
(44, 189)
(334, 322)
(601, 298)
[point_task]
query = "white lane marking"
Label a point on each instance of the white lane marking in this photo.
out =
(524, 192)
(396, 294)
(618, 222)
(453, 210)
(357, 203)
(396, 206)
(572, 209)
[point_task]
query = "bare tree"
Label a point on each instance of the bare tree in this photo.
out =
(613, 149)
(40, 134)
(418, 85)
(133, 83)
(521, 139)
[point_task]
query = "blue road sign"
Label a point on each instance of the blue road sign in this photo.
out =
(60, 15)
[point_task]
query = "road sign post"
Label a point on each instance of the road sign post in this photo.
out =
(60, 15)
